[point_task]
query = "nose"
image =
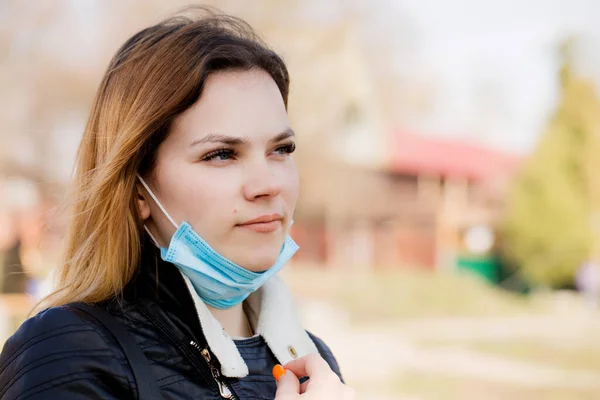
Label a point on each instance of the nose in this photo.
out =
(260, 181)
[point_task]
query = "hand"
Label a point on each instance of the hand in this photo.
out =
(323, 384)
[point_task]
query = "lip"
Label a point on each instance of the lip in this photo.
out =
(264, 223)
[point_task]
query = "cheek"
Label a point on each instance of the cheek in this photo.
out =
(291, 187)
(214, 198)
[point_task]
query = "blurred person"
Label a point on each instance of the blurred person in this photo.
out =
(184, 192)
(587, 281)
(14, 278)
(37, 261)
(40, 253)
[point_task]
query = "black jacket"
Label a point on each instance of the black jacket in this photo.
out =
(62, 353)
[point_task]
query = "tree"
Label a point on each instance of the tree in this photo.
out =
(551, 225)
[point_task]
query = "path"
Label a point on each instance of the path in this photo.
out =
(379, 354)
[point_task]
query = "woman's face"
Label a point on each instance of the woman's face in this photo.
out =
(226, 163)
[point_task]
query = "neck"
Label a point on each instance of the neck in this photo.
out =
(233, 320)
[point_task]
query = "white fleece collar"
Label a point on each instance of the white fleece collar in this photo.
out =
(272, 312)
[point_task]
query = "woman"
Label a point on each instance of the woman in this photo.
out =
(185, 190)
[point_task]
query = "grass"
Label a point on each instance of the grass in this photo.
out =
(405, 294)
(564, 355)
(443, 387)
(412, 295)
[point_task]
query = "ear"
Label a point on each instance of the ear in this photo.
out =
(142, 202)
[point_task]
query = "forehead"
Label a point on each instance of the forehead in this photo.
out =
(238, 103)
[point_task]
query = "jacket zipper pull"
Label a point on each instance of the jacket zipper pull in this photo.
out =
(224, 391)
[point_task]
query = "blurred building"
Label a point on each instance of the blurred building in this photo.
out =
(371, 196)
(411, 210)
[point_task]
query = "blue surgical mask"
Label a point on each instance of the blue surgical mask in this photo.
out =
(218, 281)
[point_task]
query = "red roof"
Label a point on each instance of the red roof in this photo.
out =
(414, 154)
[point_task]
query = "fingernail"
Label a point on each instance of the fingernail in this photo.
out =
(278, 372)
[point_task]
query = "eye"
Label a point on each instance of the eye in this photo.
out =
(286, 149)
(220, 155)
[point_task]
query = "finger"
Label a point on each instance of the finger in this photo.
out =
(288, 387)
(304, 386)
(312, 365)
(278, 372)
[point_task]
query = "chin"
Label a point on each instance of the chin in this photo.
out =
(256, 256)
(259, 263)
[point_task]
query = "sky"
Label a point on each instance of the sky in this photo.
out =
(491, 64)
(494, 63)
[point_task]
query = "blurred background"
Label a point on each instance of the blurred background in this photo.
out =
(449, 151)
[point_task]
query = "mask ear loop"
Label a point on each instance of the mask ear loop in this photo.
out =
(159, 206)
(151, 236)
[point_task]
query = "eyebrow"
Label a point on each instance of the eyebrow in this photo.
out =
(237, 141)
(289, 132)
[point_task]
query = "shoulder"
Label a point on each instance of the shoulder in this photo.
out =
(61, 327)
(57, 349)
(327, 354)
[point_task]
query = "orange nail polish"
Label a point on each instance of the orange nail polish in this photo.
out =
(278, 372)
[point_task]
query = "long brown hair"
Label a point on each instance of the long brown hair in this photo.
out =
(155, 76)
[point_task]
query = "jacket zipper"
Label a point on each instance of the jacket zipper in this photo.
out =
(191, 353)
(224, 390)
